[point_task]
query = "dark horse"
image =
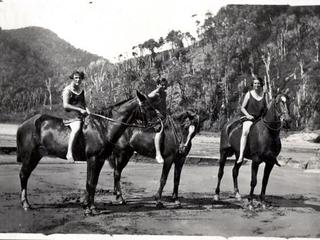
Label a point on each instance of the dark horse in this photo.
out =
(175, 146)
(44, 135)
(263, 145)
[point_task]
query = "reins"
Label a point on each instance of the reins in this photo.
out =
(126, 124)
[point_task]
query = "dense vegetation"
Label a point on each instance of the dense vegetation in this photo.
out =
(277, 43)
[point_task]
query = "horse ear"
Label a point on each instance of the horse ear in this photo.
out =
(141, 97)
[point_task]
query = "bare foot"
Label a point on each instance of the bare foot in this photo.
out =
(70, 158)
(240, 160)
(159, 159)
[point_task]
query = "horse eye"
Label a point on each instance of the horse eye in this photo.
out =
(283, 99)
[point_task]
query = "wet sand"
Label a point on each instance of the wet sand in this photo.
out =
(56, 193)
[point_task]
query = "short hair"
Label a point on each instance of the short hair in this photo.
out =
(260, 81)
(161, 80)
(76, 72)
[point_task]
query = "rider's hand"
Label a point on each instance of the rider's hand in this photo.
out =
(83, 111)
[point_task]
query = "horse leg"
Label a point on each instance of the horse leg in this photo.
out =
(267, 170)
(164, 175)
(254, 172)
(176, 181)
(94, 166)
(121, 161)
(235, 173)
(222, 162)
(29, 163)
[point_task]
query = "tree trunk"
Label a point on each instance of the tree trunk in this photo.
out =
(267, 61)
(48, 85)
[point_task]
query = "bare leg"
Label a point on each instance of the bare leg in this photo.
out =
(243, 141)
(75, 128)
(157, 139)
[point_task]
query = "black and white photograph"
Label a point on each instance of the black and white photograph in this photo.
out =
(169, 119)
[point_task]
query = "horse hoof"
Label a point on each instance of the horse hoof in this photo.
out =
(238, 197)
(250, 207)
(216, 197)
(95, 212)
(25, 205)
(88, 212)
(159, 205)
(121, 202)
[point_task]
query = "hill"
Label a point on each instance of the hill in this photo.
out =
(33, 62)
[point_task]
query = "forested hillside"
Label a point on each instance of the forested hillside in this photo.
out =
(34, 65)
(278, 43)
(208, 72)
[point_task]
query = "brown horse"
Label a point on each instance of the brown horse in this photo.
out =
(44, 135)
(263, 145)
(175, 146)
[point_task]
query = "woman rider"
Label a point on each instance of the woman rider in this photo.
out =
(253, 107)
(75, 107)
(159, 96)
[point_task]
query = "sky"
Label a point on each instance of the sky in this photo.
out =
(109, 28)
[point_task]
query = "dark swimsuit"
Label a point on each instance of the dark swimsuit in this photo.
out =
(159, 101)
(256, 108)
(75, 100)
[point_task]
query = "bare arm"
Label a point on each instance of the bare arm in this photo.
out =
(244, 104)
(191, 129)
(154, 93)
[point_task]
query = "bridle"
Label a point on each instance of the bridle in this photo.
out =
(149, 125)
(278, 112)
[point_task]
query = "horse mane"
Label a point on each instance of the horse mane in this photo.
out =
(107, 111)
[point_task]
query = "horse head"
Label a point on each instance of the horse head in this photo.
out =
(146, 109)
(282, 109)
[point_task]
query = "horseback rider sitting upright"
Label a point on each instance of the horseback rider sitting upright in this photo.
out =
(159, 96)
(253, 107)
(75, 108)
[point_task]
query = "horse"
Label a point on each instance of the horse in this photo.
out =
(176, 143)
(45, 135)
(263, 145)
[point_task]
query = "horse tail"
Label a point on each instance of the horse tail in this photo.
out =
(27, 136)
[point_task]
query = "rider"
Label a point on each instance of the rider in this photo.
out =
(159, 96)
(254, 106)
(74, 105)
